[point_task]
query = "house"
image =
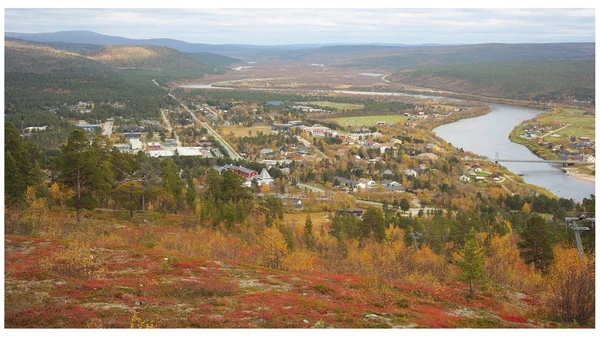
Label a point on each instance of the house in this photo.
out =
(244, 172)
(154, 146)
(380, 123)
(358, 212)
(38, 128)
(170, 142)
(394, 188)
(479, 178)
(264, 178)
(343, 182)
(267, 152)
(464, 178)
(410, 172)
(367, 182)
(125, 148)
(429, 147)
(129, 135)
(387, 172)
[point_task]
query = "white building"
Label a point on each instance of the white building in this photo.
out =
(135, 143)
(189, 151)
(464, 178)
(161, 153)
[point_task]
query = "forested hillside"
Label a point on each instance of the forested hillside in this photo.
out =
(547, 80)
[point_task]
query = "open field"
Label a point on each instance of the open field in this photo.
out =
(582, 125)
(318, 219)
(335, 105)
(367, 120)
(242, 131)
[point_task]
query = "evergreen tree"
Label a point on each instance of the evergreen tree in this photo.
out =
(84, 168)
(536, 243)
(404, 205)
(309, 237)
(20, 170)
(373, 222)
(190, 195)
(473, 260)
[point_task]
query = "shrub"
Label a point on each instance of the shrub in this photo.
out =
(76, 261)
(570, 288)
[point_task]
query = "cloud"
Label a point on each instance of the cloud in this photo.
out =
(288, 26)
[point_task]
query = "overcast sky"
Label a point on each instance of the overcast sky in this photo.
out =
(293, 26)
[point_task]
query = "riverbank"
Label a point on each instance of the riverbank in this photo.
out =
(574, 125)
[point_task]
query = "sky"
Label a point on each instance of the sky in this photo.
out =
(300, 26)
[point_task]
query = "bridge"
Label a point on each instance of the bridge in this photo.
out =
(499, 160)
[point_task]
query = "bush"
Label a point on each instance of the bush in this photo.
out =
(570, 288)
(77, 261)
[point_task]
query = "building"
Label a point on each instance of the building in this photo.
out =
(264, 178)
(358, 212)
(161, 153)
(244, 172)
(367, 182)
(135, 144)
(154, 146)
(125, 148)
(464, 178)
(189, 151)
(410, 172)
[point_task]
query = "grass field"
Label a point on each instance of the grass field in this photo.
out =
(368, 120)
(334, 105)
(299, 219)
(242, 131)
(581, 125)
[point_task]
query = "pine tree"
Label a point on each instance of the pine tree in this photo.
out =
(536, 243)
(473, 260)
(84, 168)
(309, 237)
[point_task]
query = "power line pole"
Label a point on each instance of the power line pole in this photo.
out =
(573, 224)
(416, 236)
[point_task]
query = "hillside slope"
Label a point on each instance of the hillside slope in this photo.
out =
(135, 284)
(144, 57)
(541, 80)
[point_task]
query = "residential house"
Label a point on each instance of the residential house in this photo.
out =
(410, 172)
(464, 178)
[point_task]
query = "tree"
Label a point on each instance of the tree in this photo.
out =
(127, 194)
(60, 193)
(190, 195)
(404, 205)
(273, 248)
(526, 208)
(472, 261)
(84, 168)
(36, 214)
(20, 170)
(570, 287)
(309, 237)
(170, 178)
(373, 221)
(536, 243)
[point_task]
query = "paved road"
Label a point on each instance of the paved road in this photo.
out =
(107, 128)
(169, 127)
(311, 188)
(230, 150)
(309, 145)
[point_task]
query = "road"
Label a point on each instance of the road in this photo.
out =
(107, 128)
(383, 78)
(308, 145)
(169, 127)
(311, 188)
(551, 132)
(230, 150)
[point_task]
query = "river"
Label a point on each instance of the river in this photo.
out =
(488, 134)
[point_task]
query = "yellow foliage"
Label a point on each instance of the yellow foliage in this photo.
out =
(570, 286)
(505, 266)
(299, 261)
(526, 208)
(273, 249)
(138, 323)
(76, 261)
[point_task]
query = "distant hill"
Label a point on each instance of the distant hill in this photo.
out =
(21, 56)
(213, 60)
(496, 52)
(538, 80)
(145, 57)
(87, 37)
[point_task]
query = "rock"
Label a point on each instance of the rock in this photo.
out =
(319, 325)
(305, 321)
